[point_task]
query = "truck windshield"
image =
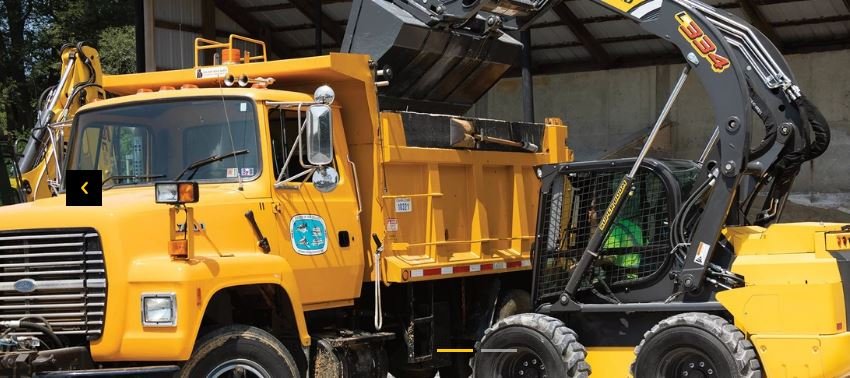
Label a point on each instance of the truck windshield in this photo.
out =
(142, 143)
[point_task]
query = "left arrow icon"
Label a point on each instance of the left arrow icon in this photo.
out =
(84, 187)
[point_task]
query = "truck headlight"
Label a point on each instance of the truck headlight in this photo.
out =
(176, 192)
(159, 310)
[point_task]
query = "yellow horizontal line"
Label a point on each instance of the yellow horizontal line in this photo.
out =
(444, 350)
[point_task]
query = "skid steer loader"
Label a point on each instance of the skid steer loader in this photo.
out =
(657, 268)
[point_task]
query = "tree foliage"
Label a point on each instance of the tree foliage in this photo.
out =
(117, 49)
(31, 33)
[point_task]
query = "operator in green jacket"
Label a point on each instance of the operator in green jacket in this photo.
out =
(624, 233)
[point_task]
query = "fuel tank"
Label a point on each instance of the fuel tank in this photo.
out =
(434, 69)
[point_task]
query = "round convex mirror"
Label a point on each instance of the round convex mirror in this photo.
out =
(325, 179)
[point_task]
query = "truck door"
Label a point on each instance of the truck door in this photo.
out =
(320, 231)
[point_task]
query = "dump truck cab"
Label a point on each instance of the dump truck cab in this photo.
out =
(139, 140)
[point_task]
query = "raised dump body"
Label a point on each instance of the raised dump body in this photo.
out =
(454, 212)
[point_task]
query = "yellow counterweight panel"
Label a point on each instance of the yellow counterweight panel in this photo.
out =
(792, 308)
(787, 294)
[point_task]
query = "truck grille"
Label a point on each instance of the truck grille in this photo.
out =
(57, 275)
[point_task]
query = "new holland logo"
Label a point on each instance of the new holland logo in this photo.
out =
(25, 285)
(702, 43)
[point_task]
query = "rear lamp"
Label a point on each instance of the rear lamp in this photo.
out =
(176, 192)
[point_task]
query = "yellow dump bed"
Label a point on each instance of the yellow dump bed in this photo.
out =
(446, 212)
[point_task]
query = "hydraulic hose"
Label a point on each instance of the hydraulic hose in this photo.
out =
(815, 131)
(55, 342)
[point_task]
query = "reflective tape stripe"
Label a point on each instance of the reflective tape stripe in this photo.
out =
(462, 269)
(472, 268)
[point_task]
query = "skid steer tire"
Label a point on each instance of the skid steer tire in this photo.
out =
(240, 349)
(695, 344)
(544, 346)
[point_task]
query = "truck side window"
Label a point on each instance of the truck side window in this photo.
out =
(283, 128)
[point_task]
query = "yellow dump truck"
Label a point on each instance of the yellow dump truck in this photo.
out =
(236, 226)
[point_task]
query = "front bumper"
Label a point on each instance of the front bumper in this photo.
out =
(69, 362)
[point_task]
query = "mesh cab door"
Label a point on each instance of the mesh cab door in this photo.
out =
(636, 251)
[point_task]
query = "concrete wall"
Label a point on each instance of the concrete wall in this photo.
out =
(606, 108)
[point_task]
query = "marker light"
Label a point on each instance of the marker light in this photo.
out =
(178, 248)
(176, 192)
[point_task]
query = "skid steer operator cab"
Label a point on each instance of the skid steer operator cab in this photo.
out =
(636, 252)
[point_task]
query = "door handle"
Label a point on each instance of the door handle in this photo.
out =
(356, 185)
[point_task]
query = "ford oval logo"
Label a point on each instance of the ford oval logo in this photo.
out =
(25, 285)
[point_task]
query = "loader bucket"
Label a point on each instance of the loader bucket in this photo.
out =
(433, 70)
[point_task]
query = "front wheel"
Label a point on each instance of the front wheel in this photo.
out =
(695, 345)
(530, 345)
(240, 351)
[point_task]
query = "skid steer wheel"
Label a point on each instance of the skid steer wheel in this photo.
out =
(695, 345)
(240, 351)
(544, 347)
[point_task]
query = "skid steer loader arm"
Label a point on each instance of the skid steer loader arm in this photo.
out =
(445, 54)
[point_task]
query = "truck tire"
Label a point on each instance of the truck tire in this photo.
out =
(695, 344)
(512, 302)
(545, 347)
(240, 349)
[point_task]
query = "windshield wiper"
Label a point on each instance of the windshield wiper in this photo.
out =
(212, 159)
(124, 177)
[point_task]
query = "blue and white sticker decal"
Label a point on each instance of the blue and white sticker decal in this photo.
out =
(309, 234)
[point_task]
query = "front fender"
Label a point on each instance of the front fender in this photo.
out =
(194, 282)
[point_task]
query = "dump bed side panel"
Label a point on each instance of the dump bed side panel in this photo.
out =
(447, 212)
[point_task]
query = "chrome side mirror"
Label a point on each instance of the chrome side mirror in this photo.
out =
(325, 179)
(319, 135)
